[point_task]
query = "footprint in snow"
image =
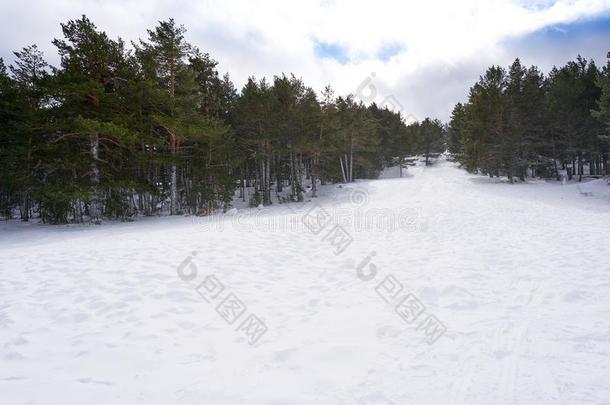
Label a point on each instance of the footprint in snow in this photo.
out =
(13, 378)
(13, 355)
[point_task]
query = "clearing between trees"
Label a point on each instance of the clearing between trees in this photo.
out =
(451, 290)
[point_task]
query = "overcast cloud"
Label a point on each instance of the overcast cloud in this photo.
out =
(425, 54)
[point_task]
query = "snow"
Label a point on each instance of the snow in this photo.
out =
(518, 275)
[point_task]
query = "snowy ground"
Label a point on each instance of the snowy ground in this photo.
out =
(518, 274)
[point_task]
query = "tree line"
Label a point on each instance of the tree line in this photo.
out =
(521, 123)
(152, 127)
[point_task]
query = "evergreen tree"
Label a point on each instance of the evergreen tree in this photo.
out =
(29, 77)
(113, 133)
(323, 149)
(602, 114)
(520, 124)
(166, 55)
(90, 127)
(456, 129)
(10, 141)
(356, 141)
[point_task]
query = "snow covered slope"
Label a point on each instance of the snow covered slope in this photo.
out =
(451, 290)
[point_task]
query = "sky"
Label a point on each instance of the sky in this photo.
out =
(419, 57)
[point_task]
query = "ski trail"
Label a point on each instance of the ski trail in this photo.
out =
(459, 390)
(506, 391)
(546, 382)
(512, 347)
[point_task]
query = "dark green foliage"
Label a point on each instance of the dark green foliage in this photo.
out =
(456, 129)
(602, 113)
(517, 123)
(429, 138)
(113, 133)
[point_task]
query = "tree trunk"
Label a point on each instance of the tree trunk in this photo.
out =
(173, 194)
(400, 162)
(342, 170)
(347, 168)
(555, 160)
(267, 167)
(314, 173)
(243, 183)
(296, 193)
(299, 178)
(278, 174)
(26, 204)
(173, 190)
(351, 161)
(257, 181)
(94, 207)
(263, 182)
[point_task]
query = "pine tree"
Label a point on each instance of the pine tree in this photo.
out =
(166, 54)
(324, 153)
(431, 137)
(356, 140)
(10, 139)
(602, 114)
(253, 126)
(91, 129)
(511, 141)
(485, 123)
(29, 75)
(456, 129)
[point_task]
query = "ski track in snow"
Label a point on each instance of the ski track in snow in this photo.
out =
(519, 274)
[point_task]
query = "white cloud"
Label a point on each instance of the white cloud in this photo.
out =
(443, 45)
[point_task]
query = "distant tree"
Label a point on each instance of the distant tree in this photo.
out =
(430, 136)
(455, 130)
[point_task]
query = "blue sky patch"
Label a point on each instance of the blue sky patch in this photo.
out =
(387, 51)
(329, 50)
(556, 44)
